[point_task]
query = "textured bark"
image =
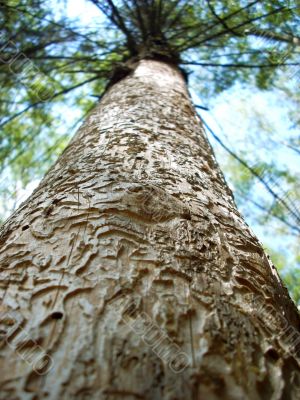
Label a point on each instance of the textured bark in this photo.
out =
(131, 269)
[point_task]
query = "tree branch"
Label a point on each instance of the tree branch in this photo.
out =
(62, 92)
(240, 65)
(253, 172)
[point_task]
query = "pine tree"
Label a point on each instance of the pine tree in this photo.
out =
(129, 272)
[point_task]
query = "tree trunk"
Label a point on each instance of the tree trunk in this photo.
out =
(130, 274)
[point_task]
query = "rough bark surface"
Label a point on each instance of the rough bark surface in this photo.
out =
(131, 271)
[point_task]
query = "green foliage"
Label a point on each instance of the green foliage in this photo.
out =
(292, 279)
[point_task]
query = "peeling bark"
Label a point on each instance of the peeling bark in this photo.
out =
(130, 274)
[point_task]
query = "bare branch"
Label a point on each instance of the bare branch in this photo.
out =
(113, 14)
(32, 105)
(282, 201)
(275, 65)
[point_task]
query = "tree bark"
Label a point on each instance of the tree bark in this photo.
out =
(130, 274)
